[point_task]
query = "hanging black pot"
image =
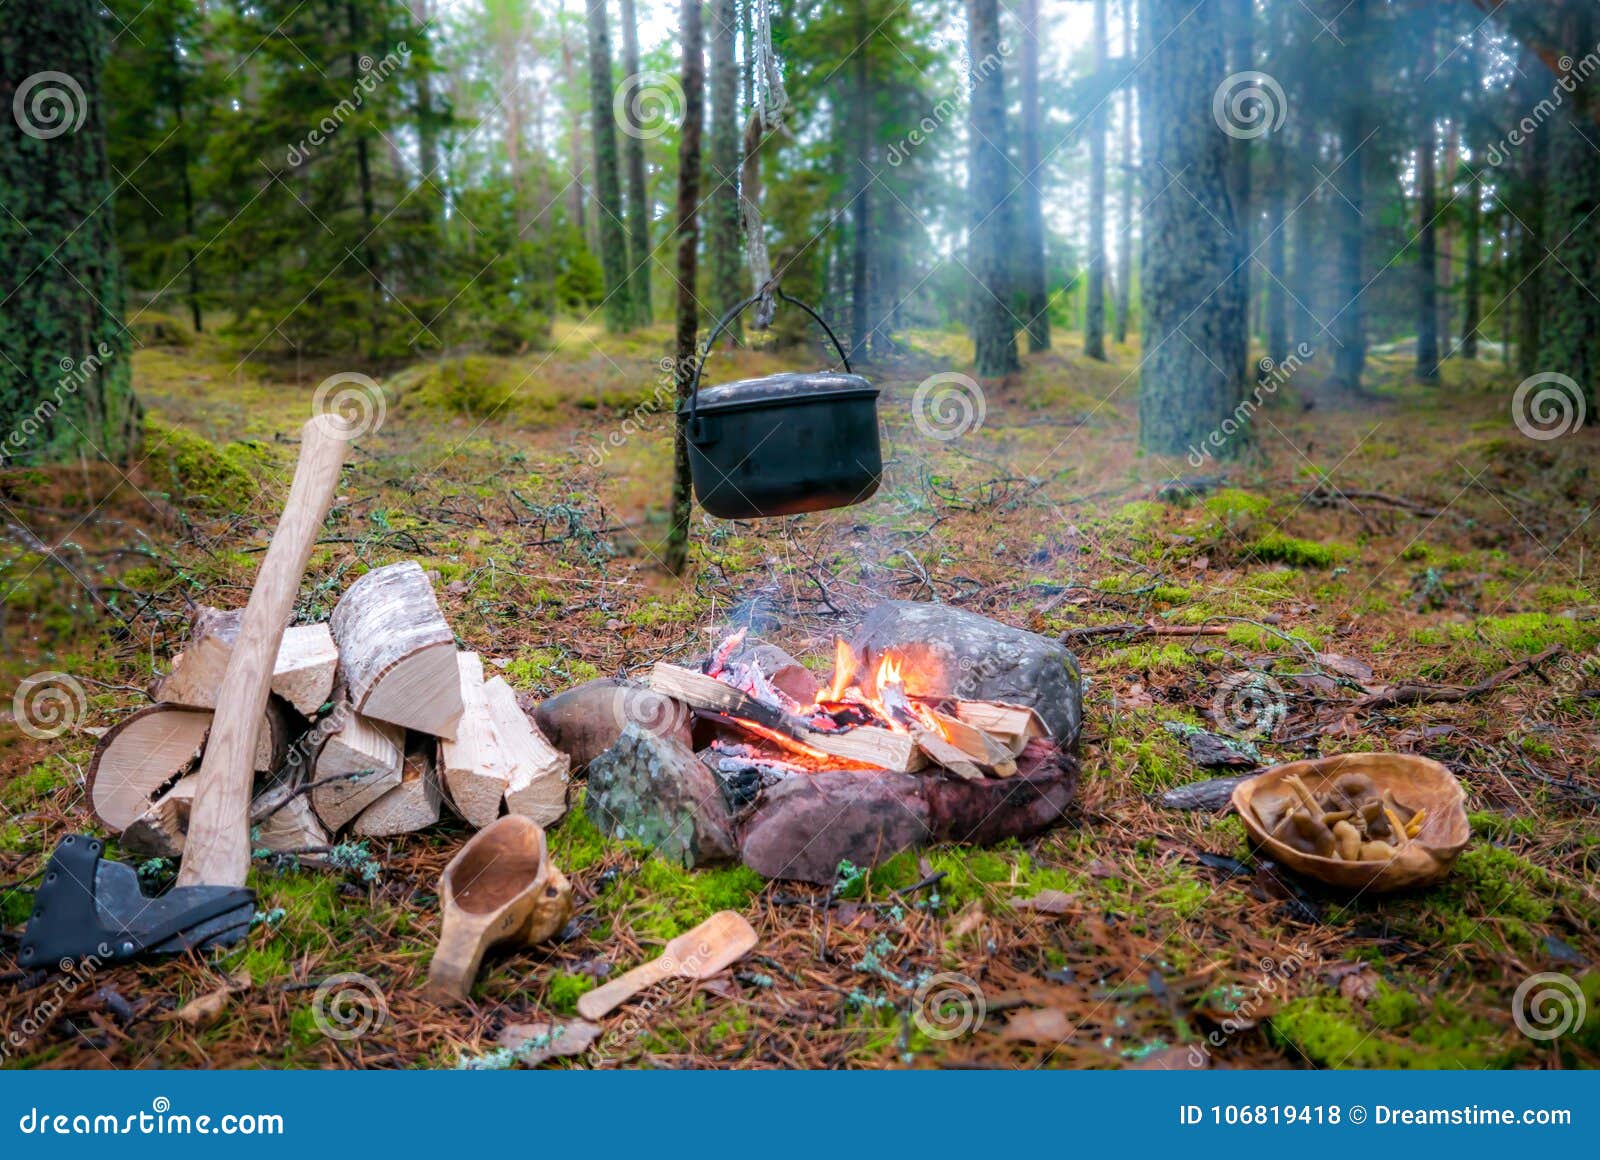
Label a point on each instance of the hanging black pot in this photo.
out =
(784, 443)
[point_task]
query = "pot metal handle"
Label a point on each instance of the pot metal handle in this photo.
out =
(727, 320)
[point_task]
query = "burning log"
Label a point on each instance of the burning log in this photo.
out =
(866, 744)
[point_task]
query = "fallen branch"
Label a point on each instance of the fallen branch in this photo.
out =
(1448, 694)
(1134, 631)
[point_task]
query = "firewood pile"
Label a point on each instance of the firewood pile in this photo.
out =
(376, 721)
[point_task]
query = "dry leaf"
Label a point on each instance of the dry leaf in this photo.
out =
(968, 920)
(205, 1010)
(1358, 987)
(1044, 1025)
(1172, 1059)
(1346, 666)
(565, 1037)
(1136, 698)
(1047, 901)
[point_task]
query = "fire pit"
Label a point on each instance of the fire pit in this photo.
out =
(746, 757)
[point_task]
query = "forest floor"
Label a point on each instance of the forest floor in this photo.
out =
(1411, 531)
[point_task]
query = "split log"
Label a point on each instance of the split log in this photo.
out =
(536, 772)
(987, 752)
(281, 819)
(302, 674)
(867, 744)
(159, 832)
(397, 654)
(1012, 725)
(358, 765)
(410, 806)
(144, 755)
(470, 764)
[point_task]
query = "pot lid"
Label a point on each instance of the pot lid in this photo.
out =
(790, 387)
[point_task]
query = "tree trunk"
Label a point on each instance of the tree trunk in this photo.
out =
(1125, 189)
(608, 182)
(994, 335)
(1304, 255)
(860, 117)
(639, 255)
(1427, 369)
(1277, 193)
(1444, 246)
(369, 209)
(1239, 22)
(575, 190)
(1094, 295)
(1572, 312)
(722, 199)
(1471, 287)
(1348, 327)
(1035, 287)
(1190, 304)
(687, 228)
(1533, 215)
(65, 375)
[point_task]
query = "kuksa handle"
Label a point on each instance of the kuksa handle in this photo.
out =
(602, 1000)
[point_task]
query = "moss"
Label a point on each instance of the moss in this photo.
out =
(1153, 657)
(1396, 1029)
(1141, 513)
(545, 670)
(1234, 509)
(199, 472)
(575, 845)
(659, 901)
(1275, 547)
(563, 992)
(1501, 827)
(28, 789)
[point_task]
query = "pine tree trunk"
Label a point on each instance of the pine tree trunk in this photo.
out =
(860, 117)
(1444, 245)
(1094, 296)
(994, 335)
(1277, 192)
(1239, 22)
(1125, 190)
(1304, 255)
(1572, 312)
(1031, 263)
(1427, 369)
(1472, 276)
(1191, 309)
(639, 255)
(722, 199)
(1533, 213)
(607, 178)
(575, 189)
(688, 306)
(1348, 326)
(65, 371)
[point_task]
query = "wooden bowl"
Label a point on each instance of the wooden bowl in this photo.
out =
(1415, 782)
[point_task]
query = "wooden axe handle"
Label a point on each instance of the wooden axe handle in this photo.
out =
(217, 849)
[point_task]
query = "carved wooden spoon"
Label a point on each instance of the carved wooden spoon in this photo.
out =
(717, 943)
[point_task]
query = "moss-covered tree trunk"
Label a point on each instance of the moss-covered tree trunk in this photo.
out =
(722, 199)
(65, 375)
(1191, 307)
(994, 333)
(1572, 312)
(1031, 261)
(1094, 294)
(687, 229)
(618, 306)
(1347, 328)
(639, 254)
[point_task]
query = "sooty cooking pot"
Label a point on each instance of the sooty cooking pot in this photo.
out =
(784, 443)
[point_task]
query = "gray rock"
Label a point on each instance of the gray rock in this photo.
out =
(953, 653)
(653, 790)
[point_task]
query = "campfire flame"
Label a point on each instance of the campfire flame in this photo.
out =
(880, 693)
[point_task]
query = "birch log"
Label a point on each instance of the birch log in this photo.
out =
(536, 772)
(358, 765)
(410, 806)
(302, 674)
(135, 762)
(397, 654)
(470, 763)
